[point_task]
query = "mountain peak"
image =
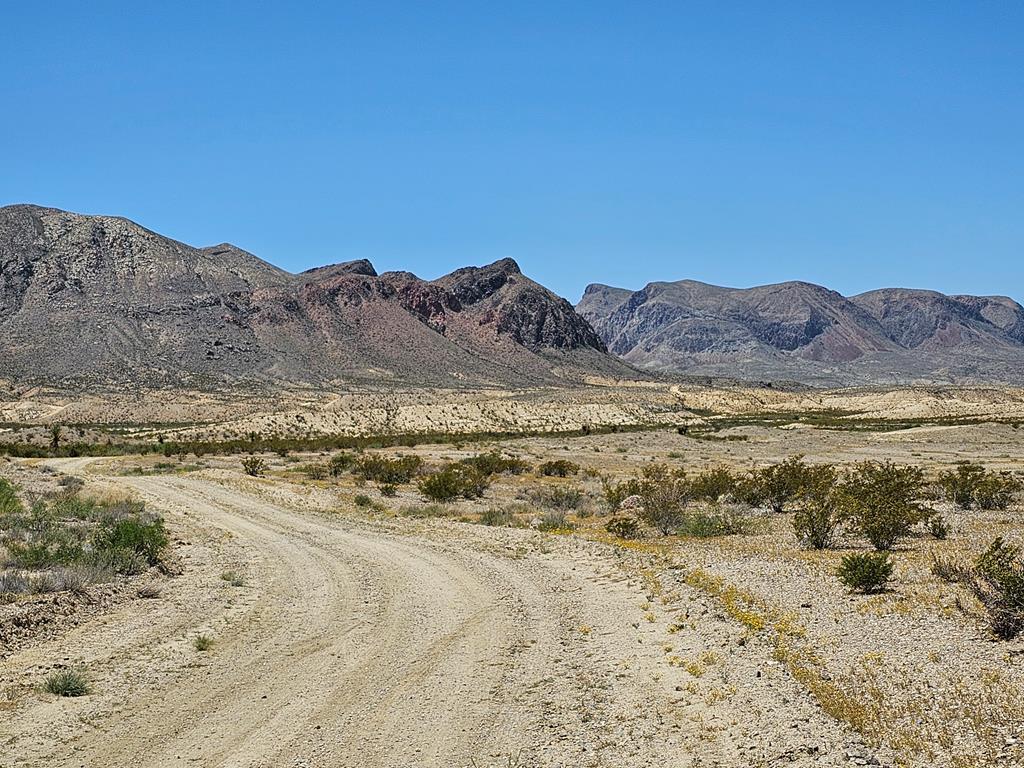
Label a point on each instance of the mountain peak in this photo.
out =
(355, 267)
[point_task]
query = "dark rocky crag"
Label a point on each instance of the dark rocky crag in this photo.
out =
(805, 333)
(97, 301)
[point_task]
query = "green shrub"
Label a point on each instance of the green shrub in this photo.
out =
(615, 493)
(996, 577)
(388, 490)
(381, 469)
(254, 466)
(493, 463)
(714, 484)
(339, 463)
(453, 482)
(233, 578)
(777, 485)
(879, 502)
(999, 584)
(122, 561)
(958, 485)
(9, 503)
(559, 468)
(146, 538)
(996, 491)
(665, 494)
(816, 522)
(971, 485)
(67, 682)
(51, 547)
(362, 500)
(202, 643)
(623, 526)
(718, 520)
(865, 572)
(315, 471)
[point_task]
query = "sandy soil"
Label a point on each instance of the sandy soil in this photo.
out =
(404, 643)
(203, 415)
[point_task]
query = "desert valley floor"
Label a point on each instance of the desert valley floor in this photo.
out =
(307, 617)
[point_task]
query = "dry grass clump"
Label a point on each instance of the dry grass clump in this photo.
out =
(67, 683)
(568, 498)
(507, 516)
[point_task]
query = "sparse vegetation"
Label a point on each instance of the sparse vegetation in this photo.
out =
(558, 468)
(778, 485)
(554, 520)
(382, 469)
(879, 501)
(866, 572)
(453, 482)
(495, 463)
(558, 497)
(716, 520)
(623, 526)
(69, 683)
(254, 466)
(996, 578)
(202, 643)
(499, 516)
(817, 520)
(67, 542)
(340, 463)
(664, 493)
(315, 471)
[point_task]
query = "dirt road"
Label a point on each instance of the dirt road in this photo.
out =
(402, 643)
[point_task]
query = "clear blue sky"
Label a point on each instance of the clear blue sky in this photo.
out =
(858, 145)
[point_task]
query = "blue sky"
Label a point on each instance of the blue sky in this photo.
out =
(858, 145)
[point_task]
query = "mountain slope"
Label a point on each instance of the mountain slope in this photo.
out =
(803, 332)
(96, 301)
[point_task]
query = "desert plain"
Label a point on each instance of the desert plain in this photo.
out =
(304, 613)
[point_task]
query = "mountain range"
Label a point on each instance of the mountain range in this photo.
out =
(805, 333)
(92, 302)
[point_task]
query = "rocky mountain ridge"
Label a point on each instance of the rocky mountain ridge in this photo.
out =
(94, 300)
(807, 333)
